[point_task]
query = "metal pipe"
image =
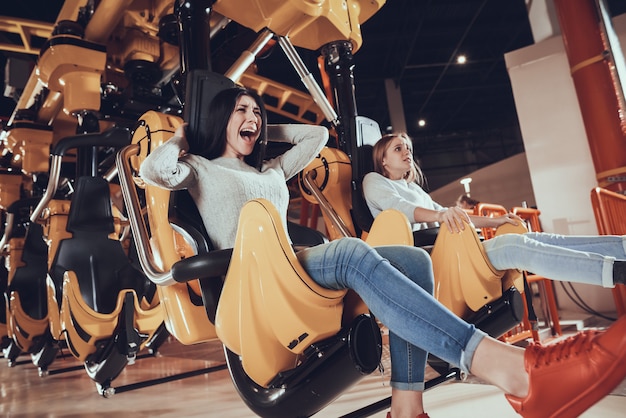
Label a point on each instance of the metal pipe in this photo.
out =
(194, 46)
(8, 228)
(599, 101)
(53, 181)
(327, 209)
(110, 174)
(220, 25)
(247, 57)
(339, 65)
(214, 30)
(307, 79)
(136, 220)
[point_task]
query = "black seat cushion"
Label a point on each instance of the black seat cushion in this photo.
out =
(101, 265)
(29, 279)
(360, 211)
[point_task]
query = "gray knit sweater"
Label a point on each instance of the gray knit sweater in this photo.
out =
(221, 187)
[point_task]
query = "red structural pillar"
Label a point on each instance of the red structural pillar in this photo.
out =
(594, 78)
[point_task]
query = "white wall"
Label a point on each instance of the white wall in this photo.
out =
(506, 183)
(557, 151)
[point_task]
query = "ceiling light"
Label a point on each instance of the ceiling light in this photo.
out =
(421, 123)
(461, 59)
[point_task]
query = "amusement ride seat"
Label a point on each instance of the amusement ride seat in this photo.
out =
(108, 308)
(27, 320)
(99, 303)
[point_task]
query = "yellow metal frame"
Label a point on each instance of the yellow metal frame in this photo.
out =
(309, 24)
(10, 189)
(187, 322)
(332, 172)
(26, 29)
(32, 145)
(78, 81)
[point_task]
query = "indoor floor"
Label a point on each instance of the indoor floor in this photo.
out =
(192, 381)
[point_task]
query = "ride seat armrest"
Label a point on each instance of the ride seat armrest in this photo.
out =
(116, 137)
(211, 264)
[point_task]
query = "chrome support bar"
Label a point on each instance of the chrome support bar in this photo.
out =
(307, 79)
(247, 57)
(136, 220)
(53, 182)
(8, 228)
(325, 206)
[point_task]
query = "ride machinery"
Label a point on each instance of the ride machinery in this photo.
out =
(112, 264)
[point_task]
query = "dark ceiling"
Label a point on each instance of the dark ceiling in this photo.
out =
(469, 109)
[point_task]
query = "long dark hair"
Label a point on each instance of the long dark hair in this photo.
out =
(219, 112)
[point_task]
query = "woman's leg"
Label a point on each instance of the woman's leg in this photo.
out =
(410, 312)
(568, 376)
(607, 245)
(576, 259)
(403, 306)
(408, 361)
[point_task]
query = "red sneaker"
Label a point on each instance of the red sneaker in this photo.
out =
(422, 415)
(568, 377)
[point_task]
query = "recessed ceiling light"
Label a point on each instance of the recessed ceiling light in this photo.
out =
(461, 59)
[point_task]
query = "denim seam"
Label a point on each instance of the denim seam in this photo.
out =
(413, 386)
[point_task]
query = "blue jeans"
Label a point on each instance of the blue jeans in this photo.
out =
(408, 362)
(578, 259)
(419, 323)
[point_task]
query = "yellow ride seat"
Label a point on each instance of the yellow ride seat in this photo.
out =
(465, 280)
(270, 310)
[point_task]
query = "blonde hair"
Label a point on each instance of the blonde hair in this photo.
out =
(415, 174)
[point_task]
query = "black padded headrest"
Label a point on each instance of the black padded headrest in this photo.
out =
(368, 133)
(92, 212)
(365, 153)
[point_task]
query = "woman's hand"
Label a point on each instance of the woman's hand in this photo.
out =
(487, 222)
(509, 218)
(454, 217)
(181, 131)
